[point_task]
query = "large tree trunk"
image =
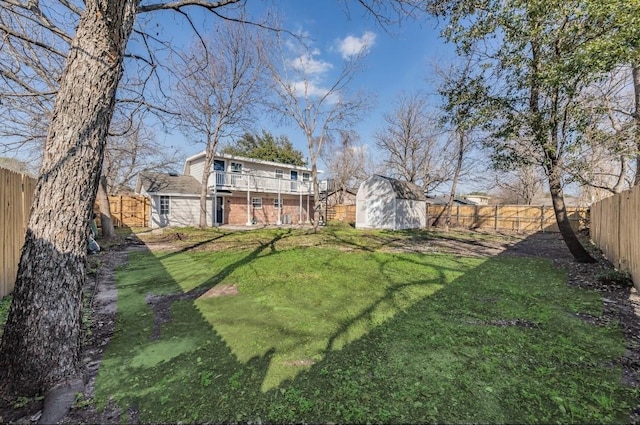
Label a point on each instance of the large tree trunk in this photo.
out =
(106, 223)
(317, 205)
(568, 235)
(204, 188)
(635, 71)
(41, 346)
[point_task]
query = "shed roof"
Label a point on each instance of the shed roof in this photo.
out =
(405, 190)
(168, 183)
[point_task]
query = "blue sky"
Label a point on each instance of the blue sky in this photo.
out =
(399, 59)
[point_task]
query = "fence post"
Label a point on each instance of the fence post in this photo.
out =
(427, 216)
(495, 219)
(542, 218)
(619, 250)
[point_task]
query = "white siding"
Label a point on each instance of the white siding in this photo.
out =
(183, 211)
(375, 204)
(411, 214)
(378, 208)
(197, 168)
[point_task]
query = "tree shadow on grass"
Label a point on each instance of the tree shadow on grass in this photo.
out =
(441, 358)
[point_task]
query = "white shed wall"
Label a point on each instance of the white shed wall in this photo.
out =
(378, 208)
(375, 204)
(410, 214)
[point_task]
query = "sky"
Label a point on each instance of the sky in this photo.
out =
(400, 59)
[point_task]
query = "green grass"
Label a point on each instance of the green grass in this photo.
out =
(5, 302)
(328, 327)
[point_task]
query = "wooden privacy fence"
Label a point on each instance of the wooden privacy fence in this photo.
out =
(128, 211)
(16, 195)
(519, 218)
(344, 213)
(615, 229)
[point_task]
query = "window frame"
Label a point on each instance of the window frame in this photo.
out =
(276, 204)
(255, 201)
(164, 205)
(306, 177)
(279, 173)
(236, 167)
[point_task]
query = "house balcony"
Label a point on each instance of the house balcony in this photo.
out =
(247, 182)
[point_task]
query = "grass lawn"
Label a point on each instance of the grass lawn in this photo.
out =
(333, 327)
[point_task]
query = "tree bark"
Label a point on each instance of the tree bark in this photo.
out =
(635, 71)
(106, 223)
(41, 346)
(204, 185)
(568, 235)
(454, 183)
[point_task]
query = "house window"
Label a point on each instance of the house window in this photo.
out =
(277, 203)
(164, 205)
(256, 202)
(218, 165)
(236, 167)
(279, 174)
(306, 177)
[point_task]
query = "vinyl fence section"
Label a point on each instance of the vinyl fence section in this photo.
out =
(615, 229)
(519, 218)
(16, 195)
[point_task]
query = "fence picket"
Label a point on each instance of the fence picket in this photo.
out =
(615, 229)
(16, 194)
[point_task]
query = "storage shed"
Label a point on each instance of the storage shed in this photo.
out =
(387, 203)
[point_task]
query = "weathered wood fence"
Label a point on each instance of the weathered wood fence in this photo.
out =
(519, 218)
(344, 213)
(128, 211)
(16, 195)
(615, 229)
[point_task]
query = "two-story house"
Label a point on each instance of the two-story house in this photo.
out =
(241, 191)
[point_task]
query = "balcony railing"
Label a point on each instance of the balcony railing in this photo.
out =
(256, 183)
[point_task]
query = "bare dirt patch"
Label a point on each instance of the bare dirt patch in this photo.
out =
(220, 290)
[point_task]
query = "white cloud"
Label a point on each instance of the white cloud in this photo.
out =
(351, 45)
(309, 65)
(308, 90)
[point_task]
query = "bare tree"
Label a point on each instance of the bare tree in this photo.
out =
(519, 186)
(318, 110)
(136, 150)
(347, 163)
(412, 144)
(605, 161)
(217, 95)
(32, 58)
(460, 90)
